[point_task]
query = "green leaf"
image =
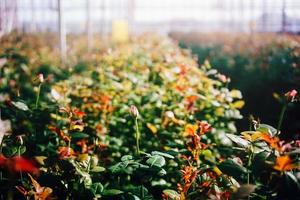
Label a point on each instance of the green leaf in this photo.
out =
(232, 168)
(126, 158)
(79, 135)
(85, 177)
(116, 168)
(259, 162)
(22, 149)
(112, 192)
(166, 155)
(208, 155)
(98, 169)
(238, 140)
(267, 129)
(156, 160)
(141, 192)
(172, 194)
(10, 151)
(162, 172)
(160, 182)
(20, 105)
(243, 191)
(132, 197)
(97, 189)
(292, 182)
(141, 165)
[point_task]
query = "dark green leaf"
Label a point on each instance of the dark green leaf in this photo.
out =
(231, 168)
(112, 192)
(10, 151)
(79, 135)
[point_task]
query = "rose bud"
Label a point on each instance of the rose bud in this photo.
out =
(291, 95)
(41, 78)
(134, 111)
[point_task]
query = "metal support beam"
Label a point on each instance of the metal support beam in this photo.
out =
(62, 31)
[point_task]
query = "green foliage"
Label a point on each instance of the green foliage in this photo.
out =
(138, 121)
(269, 67)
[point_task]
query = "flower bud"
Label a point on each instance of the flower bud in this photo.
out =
(291, 95)
(20, 139)
(41, 78)
(223, 78)
(170, 114)
(134, 111)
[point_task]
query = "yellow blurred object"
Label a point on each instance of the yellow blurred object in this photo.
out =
(40, 159)
(220, 111)
(217, 170)
(120, 31)
(238, 104)
(152, 128)
(190, 130)
(276, 96)
(236, 94)
(78, 127)
(252, 135)
(83, 157)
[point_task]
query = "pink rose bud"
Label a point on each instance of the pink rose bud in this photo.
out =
(223, 78)
(291, 95)
(20, 139)
(41, 78)
(134, 111)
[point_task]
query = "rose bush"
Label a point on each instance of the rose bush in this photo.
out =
(139, 120)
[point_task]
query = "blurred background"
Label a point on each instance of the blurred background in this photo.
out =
(155, 15)
(254, 42)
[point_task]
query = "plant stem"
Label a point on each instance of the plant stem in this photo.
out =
(142, 191)
(281, 118)
(19, 154)
(137, 136)
(249, 163)
(38, 95)
(250, 123)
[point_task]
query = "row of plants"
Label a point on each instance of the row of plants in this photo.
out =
(139, 120)
(267, 62)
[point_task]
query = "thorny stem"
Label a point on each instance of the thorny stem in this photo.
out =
(137, 136)
(38, 95)
(281, 118)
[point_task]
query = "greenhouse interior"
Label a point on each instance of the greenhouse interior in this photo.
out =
(150, 100)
